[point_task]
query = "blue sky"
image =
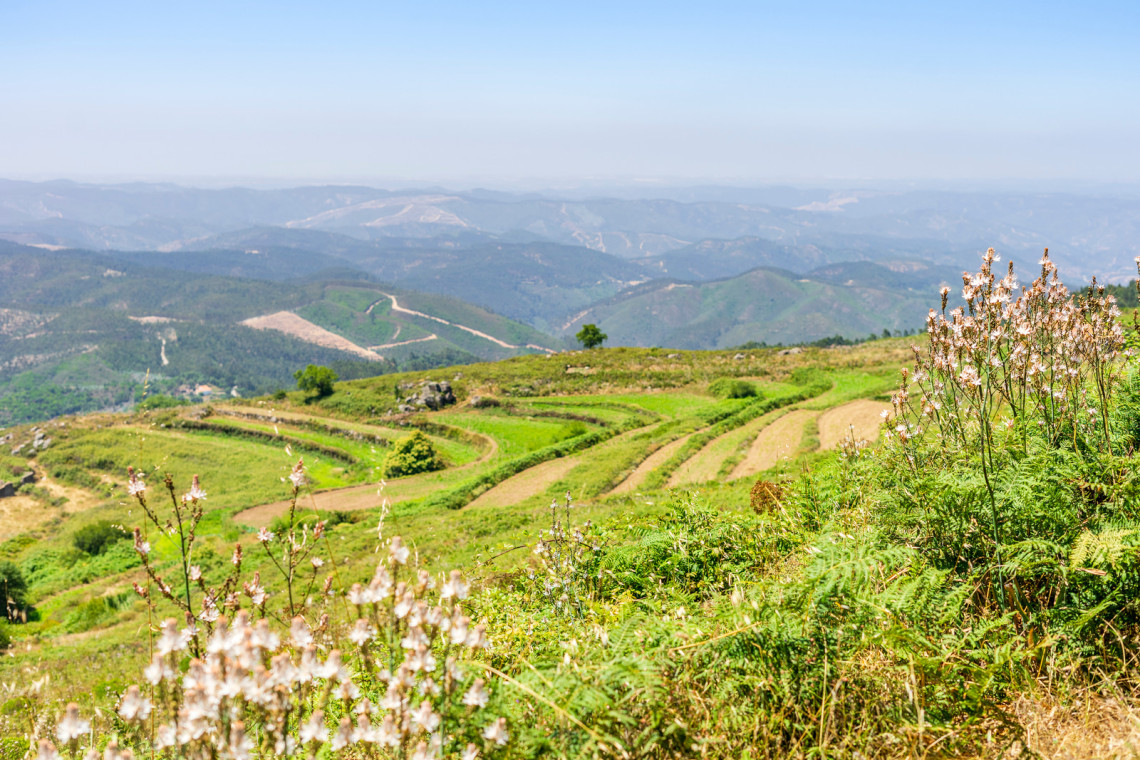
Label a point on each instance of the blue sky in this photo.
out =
(503, 93)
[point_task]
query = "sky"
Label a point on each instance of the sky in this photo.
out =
(505, 94)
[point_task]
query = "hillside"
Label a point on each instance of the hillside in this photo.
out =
(82, 331)
(767, 305)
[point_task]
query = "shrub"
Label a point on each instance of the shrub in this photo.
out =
(808, 376)
(160, 401)
(410, 455)
(730, 387)
(95, 538)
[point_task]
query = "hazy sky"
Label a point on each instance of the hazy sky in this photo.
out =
(493, 92)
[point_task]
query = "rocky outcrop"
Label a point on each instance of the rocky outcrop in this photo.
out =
(427, 395)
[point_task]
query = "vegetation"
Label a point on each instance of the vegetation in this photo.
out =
(966, 588)
(590, 336)
(412, 455)
(94, 538)
(14, 588)
(316, 380)
(726, 387)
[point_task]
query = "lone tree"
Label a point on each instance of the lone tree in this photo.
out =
(590, 336)
(318, 380)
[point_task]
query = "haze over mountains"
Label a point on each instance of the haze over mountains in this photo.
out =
(703, 268)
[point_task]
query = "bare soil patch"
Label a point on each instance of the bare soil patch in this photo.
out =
(648, 465)
(299, 327)
(526, 484)
(864, 416)
(777, 440)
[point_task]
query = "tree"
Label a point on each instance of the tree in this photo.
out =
(590, 336)
(319, 380)
(13, 591)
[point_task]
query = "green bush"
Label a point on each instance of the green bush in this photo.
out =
(96, 611)
(729, 387)
(94, 538)
(160, 401)
(410, 455)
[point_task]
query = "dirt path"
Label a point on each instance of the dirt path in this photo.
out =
(649, 464)
(348, 499)
(864, 415)
(367, 496)
(382, 346)
(779, 439)
(478, 333)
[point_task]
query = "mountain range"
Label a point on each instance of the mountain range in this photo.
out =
(438, 276)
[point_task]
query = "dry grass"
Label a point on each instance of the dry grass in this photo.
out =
(1091, 727)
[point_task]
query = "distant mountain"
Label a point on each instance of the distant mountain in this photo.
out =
(766, 305)
(1088, 234)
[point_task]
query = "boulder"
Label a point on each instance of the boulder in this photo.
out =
(7, 489)
(431, 395)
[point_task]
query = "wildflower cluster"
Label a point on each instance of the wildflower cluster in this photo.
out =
(296, 548)
(569, 557)
(408, 687)
(181, 527)
(1044, 357)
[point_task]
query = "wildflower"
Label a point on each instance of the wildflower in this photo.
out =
(265, 536)
(476, 696)
(343, 736)
(454, 587)
(195, 493)
(171, 640)
(477, 639)
(404, 606)
(135, 484)
(297, 476)
(425, 717)
(387, 733)
(497, 732)
(317, 563)
(358, 595)
(71, 726)
(195, 573)
(134, 707)
(397, 551)
(361, 633)
(47, 751)
(157, 671)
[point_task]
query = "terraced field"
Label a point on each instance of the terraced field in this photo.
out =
(619, 440)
